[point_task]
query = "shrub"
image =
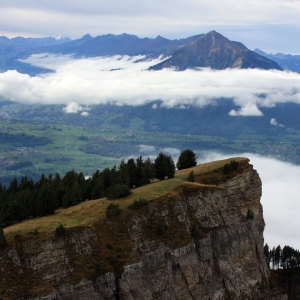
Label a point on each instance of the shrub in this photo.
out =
(117, 191)
(113, 210)
(197, 231)
(250, 215)
(2, 238)
(233, 165)
(162, 227)
(191, 177)
(60, 229)
(109, 246)
(138, 203)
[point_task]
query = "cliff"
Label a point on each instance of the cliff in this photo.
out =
(193, 242)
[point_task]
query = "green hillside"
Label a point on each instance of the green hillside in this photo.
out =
(92, 211)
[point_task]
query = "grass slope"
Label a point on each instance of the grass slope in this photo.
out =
(88, 212)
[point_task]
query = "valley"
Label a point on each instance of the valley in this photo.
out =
(86, 149)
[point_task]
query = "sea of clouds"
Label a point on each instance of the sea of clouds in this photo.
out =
(280, 192)
(124, 80)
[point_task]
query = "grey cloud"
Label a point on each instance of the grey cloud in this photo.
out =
(229, 11)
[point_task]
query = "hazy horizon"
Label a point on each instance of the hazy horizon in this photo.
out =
(271, 26)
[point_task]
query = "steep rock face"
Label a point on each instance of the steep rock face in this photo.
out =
(193, 243)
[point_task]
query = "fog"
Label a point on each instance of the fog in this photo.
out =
(280, 192)
(124, 80)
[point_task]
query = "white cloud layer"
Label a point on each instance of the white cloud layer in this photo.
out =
(280, 192)
(90, 81)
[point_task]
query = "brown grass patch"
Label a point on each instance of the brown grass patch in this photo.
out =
(88, 212)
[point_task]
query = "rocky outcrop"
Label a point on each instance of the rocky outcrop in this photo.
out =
(193, 243)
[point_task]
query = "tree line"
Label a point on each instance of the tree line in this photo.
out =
(286, 257)
(25, 198)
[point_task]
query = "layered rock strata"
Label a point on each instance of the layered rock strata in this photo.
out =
(193, 243)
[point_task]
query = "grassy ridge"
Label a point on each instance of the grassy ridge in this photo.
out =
(88, 212)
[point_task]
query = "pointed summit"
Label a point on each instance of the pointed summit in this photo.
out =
(87, 37)
(217, 52)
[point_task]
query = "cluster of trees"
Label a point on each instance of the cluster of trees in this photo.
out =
(25, 199)
(19, 165)
(233, 165)
(24, 140)
(284, 258)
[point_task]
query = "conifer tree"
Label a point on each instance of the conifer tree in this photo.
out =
(2, 236)
(186, 159)
(191, 177)
(164, 166)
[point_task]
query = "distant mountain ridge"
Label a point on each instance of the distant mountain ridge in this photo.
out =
(14, 46)
(109, 44)
(285, 61)
(204, 50)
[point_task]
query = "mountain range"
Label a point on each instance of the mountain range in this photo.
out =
(285, 61)
(204, 50)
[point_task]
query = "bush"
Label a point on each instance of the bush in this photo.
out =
(250, 215)
(191, 177)
(161, 229)
(2, 238)
(197, 232)
(138, 203)
(117, 191)
(60, 230)
(233, 165)
(113, 210)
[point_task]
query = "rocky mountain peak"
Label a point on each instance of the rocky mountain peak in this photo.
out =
(217, 52)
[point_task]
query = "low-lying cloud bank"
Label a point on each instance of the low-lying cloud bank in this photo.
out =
(280, 192)
(126, 81)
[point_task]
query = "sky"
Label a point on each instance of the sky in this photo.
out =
(80, 83)
(272, 26)
(280, 192)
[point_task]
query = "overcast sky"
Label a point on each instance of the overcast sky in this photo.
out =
(272, 26)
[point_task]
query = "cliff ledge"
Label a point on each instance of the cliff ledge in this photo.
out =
(193, 242)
